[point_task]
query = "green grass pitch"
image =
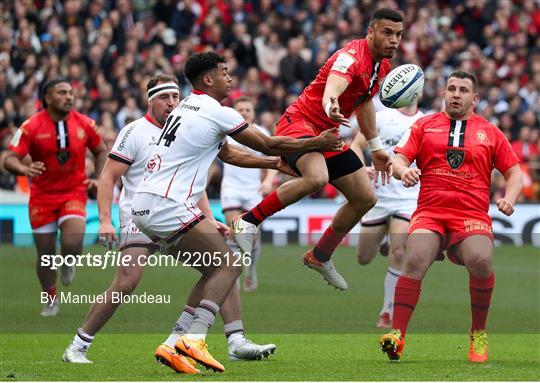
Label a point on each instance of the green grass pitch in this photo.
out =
(321, 333)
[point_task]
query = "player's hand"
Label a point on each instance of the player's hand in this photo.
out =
(223, 229)
(107, 235)
(410, 177)
(34, 169)
(91, 184)
(284, 168)
(383, 165)
(335, 114)
(505, 206)
(330, 140)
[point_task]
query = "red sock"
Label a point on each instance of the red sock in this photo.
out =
(327, 244)
(51, 292)
(480, 290)
(405, 300)
(267, 207)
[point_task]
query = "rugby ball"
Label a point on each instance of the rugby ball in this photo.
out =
(402, 86)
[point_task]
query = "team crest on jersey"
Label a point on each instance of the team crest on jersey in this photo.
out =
(81, 134)
(481, 136)
(455, 158)
(62, 156)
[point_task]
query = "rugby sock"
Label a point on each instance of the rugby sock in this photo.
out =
(82, 340)
(182, 325)
(405, 300)
(390, 281)
(234, 331)
(327, 244)
(51, 292)
(480, 290)
(267, 207)
(204, 317)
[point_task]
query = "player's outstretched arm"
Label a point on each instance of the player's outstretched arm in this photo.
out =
(329, 140)
(237, 156)
(110, 174)
(13, 163)
(335, 86)
(513, 186)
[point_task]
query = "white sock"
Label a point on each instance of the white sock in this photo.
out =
(234, 331)
(82, 340)
(182, 325)
(204, 317)
(390, 281)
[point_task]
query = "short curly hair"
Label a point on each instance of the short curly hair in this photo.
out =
(200, 63)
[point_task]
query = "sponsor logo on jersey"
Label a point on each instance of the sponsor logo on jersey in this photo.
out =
(140, 213)
(123, 142)
(81, 134)
(455, 158)
(343, 62)
(43, 136)
(481, 136)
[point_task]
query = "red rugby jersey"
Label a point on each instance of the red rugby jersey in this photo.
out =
(61, 146)
(354, 63)
(456, 158)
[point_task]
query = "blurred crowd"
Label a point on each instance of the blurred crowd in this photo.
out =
(109, 50)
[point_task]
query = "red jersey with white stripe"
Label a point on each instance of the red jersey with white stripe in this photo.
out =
(61, 146)
(355, 64)
(189, 142)
(456, 158)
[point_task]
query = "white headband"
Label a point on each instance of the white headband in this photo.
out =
(162, 88)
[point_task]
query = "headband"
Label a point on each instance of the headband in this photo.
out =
(162, 88)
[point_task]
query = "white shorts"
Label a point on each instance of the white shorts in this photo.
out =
(163, 220)
(387, 208)
(236, 199)
(131, 236)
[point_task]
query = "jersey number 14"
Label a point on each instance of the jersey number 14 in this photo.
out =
(169, 130)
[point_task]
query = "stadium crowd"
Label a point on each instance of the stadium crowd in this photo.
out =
(110, 49)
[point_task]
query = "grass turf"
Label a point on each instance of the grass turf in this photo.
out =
(322, 334)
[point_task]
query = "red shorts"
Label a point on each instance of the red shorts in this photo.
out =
(452, 227)
(295, 126)
(46, 211)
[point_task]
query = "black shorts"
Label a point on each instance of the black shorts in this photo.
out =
(338, 166)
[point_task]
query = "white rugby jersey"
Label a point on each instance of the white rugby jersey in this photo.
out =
(247, 180)
(190, 141)
(392, 125)
(133, 146)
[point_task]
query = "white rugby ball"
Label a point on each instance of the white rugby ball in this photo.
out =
(402, 86)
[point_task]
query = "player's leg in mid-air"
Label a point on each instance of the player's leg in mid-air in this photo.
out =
(347, 174)
(476, 253)
(422, 247)
(251, 280)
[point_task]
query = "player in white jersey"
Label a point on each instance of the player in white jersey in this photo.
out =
(165, 204)
(392, 212)
(243, 188)
(127, 160)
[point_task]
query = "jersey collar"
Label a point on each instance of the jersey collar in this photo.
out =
(152, 121)
(196, 91)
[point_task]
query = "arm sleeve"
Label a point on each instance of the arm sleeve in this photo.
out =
(504, 156)
(345, 66)
(125, 147)
(94, 139)
(20, 143)
(409, 145)
(230, 122)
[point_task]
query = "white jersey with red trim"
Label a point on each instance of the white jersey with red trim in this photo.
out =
(190, 141)
(392, 125)
(133, 146)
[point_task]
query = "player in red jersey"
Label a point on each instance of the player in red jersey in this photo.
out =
(455, 151)
(56, 139)
(345, 83)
